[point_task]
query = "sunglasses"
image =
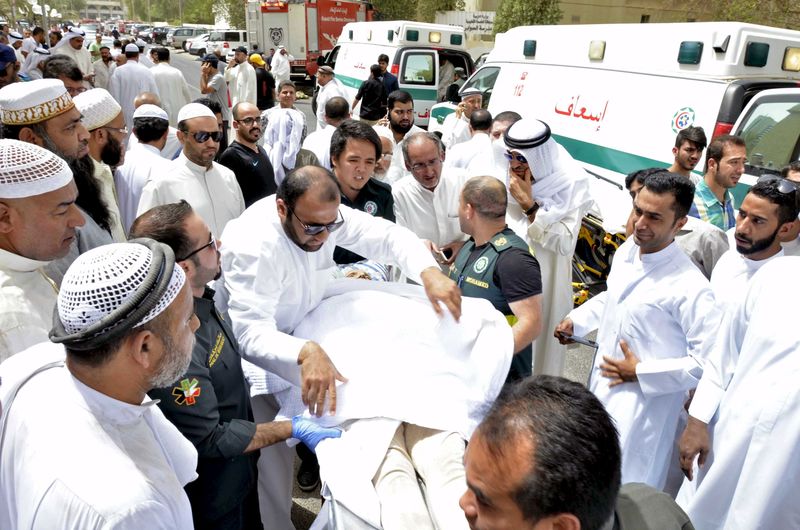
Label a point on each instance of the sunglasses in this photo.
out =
(785, 186)
(211, 243)
(511, 156)
(202, 137)
(250, 121)
(313, 230)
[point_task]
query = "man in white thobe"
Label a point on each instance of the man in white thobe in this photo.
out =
(72, 46)
(655, 324)
(96, 452)
(143, 161)
(172, 147)
(103, 68)
(241, 78)
(172, 88)
(130, 80)
(750, 385)
(427, 202)
(210, 188)
(400, 123)
(337, 110)
(791, 244)
(455, 128)
(329, 87)
(475, 155)
(546, 211)
(37, 199)
(281, 65)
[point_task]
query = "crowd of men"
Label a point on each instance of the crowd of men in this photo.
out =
(154, 274)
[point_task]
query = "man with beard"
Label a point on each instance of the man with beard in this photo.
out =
(791, 244)
(210, 402)
(72, 46)
(99, 452)
(689, 145)
(713, 200)
(248, 160)
(130, 80)
(209, 187)
(400, 122)
(8, 66)
(241, 78)
(280, 64)
(172, 87)
(656, 323)
(103, 68)
(38, 218)
(103, 118)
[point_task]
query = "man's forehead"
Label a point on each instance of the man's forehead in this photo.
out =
(654, 202)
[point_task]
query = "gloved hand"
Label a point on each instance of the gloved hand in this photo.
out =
(310, 433)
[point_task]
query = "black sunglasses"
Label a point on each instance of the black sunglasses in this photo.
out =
(212, 243)
(202, 137)
(313, 230)
(511, 156)
(785, 186)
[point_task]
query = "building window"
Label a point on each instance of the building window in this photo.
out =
(645, 19)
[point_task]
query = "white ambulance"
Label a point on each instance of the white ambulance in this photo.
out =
(416, 52)
(615, 95)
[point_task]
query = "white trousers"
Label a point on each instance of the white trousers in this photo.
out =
(438, 458)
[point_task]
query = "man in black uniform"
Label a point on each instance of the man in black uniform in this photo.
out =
(265, 83)
(248, 160)
(355, 147)
(497, 265)
(210, 403)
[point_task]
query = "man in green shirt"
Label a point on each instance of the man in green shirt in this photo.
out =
(94, 48)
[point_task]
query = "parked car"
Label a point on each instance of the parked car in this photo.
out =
(183, 34)
(198, 45)
(159, 35)
(227, 40)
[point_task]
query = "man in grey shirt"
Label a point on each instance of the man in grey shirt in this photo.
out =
(214, 86)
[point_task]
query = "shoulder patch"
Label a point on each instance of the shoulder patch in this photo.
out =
(187, 393)
(500, 241)
(371, 207)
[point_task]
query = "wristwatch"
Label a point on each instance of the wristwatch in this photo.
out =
(533, 209)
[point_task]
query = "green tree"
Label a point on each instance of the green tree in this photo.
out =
(394, 9)
(233, 11)
(512, 13)
(426, 9)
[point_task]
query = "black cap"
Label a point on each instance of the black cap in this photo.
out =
(211, 59)
(241, 49)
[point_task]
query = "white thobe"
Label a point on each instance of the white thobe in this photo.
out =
(270, 284)
(27, 299)
(29, 44)
(82, 57)
(241, 83)
(143, 162)
(109, 195)
(432, 215)
(663, 307)
(127, 82)
(732, 275)
(398, 167)
(213, 192)
(145, 60)
(171, 149)
(455, 130)
(792, 248)
(751, 476)
(102, 73)
(281, 67)
(74, 458)
(474, 156)
(319, 143)
(172, 89)
(332, 89)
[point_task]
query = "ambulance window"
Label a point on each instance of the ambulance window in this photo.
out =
(772, 132)
(484, 80)
(417, 69)
(330, 59)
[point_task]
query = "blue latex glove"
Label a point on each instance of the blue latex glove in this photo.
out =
(310, 433)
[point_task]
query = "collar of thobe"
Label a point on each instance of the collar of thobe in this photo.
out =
(657, 258)
(113, 410)
(194, 168)
(149, 148)
(754, 265)
(17, 263)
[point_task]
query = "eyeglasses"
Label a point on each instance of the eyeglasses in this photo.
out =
(785, 186)
(121, 130)
(313, 230)
(250, 121)
(202, 137)
(212, 243)
(425, 165)
(511, 156)
(386, 155)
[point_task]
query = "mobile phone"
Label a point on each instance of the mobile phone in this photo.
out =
(579, 340)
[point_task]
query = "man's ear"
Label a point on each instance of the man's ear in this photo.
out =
(144, 348)
(283, 209)
(26, 134)
(6, 217)
(180, 135)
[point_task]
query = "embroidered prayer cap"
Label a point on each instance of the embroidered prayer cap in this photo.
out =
(34, 101)
(27, 170)
(150, 111)
(113, 288)
(131, 48)
(98, 107)
(194, 110)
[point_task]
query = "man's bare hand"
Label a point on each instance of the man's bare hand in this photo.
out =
(454, 248)
(563, 330)
(521, 188)
(440, 288)
(623, 370)
(694, 442)
(318, 377)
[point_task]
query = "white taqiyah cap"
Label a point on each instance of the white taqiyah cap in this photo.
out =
(194, 110)
(98, 107)
(102, 279)
(34, 101)
(150, 111)
(27, 170)
(131, 48)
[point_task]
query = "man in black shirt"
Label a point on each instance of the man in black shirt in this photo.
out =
(248, 160)
(210, 403)
(265, 83)
(372, 96)
(355, 147)
(497, 265)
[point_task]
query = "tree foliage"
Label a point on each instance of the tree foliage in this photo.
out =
(426, 9)
(512, 13)
(231, 10)
(394, 9)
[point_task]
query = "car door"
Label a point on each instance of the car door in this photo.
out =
(418, 75)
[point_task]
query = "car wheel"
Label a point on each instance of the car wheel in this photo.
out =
(201, 52)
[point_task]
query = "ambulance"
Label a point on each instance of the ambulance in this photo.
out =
(615, 95)
(416, 52)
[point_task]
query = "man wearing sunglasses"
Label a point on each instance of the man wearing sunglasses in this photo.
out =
(210, 188)
(791, 245)
(248, 160)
